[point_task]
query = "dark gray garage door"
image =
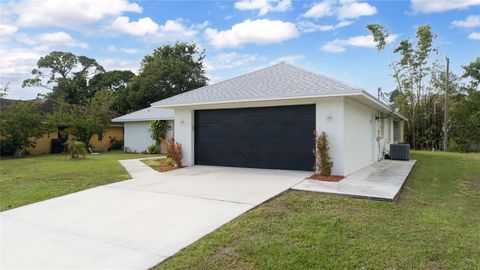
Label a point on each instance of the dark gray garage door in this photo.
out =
(266, 137)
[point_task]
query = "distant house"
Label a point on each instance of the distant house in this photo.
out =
(137, 124)
(52, 142)
(266, 119)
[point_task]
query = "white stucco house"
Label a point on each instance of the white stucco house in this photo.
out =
(136, 127)
(266, 119)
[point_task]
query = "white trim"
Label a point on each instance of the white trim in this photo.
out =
(359, 93)
(141, 119)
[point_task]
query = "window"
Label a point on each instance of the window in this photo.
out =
(100, 136)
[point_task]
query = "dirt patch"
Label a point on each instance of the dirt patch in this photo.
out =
(329, 178)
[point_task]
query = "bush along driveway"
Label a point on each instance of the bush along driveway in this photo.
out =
(435, 224)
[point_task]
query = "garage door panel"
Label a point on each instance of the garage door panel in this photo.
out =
(267, 137)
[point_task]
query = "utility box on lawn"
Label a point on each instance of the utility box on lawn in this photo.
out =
(400, 151)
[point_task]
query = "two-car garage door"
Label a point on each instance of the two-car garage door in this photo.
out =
(265, 137)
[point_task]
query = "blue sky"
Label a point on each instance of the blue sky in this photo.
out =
(328, 37)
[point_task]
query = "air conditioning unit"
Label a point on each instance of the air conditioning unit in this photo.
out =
(400, 151)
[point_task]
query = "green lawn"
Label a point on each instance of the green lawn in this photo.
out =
(434, 225)
(39, 177)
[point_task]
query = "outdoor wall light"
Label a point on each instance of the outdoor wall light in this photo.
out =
(329, 118)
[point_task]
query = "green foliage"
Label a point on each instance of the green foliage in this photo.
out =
(21, 125)
(465, 121)
(158, 130)
(3, 90)
(66, 74)
(116, 82)
(380, 35)
(323, 163)
(83, 121)
(153, 149)
(472, 72)
(115, 144)
(168, 71)
(169, 161)
(7, 147)
(76, 149)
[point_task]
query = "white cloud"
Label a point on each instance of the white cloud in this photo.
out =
(350, 10)
(141, 27)
(7, 29)
(17, 62)
(264, 6)
(261, 31)
(229, 60)
(435, 6)
(288, 58)
(471, 21)
(343, 9)
(173, 30)
(72, 14)
(320, 10)
(113, 48)
(119, 64)
(53, 39)
(474, 36)
(366, 41)
(309, 27)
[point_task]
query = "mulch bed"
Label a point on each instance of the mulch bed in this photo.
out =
(330, 178)
(163, 167)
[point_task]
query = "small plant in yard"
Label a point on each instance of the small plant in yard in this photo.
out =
(323, 164)
(153, 149)
(174, 151)
(169, 161)
(76, 149)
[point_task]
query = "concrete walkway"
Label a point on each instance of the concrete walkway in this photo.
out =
(381, 180)
(137, 223)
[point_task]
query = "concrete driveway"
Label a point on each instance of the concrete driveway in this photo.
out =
(137, 223)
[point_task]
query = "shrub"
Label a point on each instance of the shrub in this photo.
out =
(7, 147)
(158, 130)
(174, 151)
(323, 164)
(153, 149)
(169, 161)
(115, 144)
(76, 149)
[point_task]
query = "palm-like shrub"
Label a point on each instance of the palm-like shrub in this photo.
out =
(76, 149)
(174, 151)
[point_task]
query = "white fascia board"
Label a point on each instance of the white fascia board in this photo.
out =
(155, 104)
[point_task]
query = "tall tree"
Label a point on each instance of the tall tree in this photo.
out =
(65, 74)
(82, 121)
(168, 71)
(417, 74)
(116, 82)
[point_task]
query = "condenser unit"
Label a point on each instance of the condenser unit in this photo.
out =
(400, 151)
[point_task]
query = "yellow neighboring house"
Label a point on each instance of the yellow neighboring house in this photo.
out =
(98, 141)
(44, 144)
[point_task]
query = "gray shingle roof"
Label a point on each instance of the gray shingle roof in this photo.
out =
(278, 81)
(147, 114)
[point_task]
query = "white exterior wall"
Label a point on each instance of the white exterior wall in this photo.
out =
(359, 142)
(184, 134)
(351, 128)
(330, 118)
(137, 135)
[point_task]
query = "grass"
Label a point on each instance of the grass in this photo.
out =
(39, 177)
(434, 225)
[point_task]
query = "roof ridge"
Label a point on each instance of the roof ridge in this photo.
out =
(324, 76)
